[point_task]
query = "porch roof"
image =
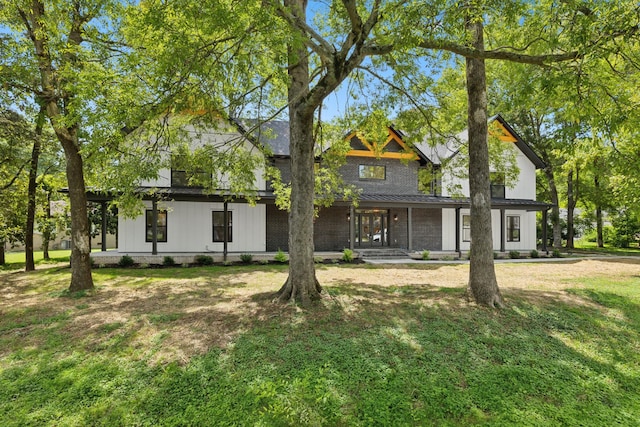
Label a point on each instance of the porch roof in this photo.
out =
(429, 201)
(367, 200)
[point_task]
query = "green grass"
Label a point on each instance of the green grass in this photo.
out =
(16, 260)
(592, 247)
(398, 355)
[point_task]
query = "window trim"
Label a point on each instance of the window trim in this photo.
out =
(148, 226)
(229, 225)
(362, 166)
(513, 233)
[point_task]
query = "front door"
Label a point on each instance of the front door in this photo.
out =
(372, 228)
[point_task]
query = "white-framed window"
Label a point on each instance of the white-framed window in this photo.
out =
(513, 228)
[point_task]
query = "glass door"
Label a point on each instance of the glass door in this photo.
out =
(372, 228)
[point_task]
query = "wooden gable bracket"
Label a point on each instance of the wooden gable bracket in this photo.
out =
(378, 152)
(497, 129)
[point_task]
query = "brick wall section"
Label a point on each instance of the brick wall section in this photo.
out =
(331, 229)
(427, 229)
(277, 229)
(401, 178)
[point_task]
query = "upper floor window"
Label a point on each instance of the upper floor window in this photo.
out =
(497, 185)
(182, 176)
(161, 228)
(372, 172)
(430, 180)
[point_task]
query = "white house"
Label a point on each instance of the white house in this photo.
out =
(395, 209)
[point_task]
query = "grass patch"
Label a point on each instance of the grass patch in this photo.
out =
(179, 346)
(592, 247)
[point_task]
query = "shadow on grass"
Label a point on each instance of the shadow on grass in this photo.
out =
(369, 355)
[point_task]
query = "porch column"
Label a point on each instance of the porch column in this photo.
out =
(154, 227)
(410, 229)
(225, 233)
(502, 229)
(352, 227)
(458, 233)
(103, 206)
(544, 231)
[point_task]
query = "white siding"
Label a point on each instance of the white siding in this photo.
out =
(525, 187)
(448, 229)
(528, 239)
(218, 138)
(190, 229)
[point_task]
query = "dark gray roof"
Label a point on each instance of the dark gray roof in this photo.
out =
(379, 200)
(428, 201)
(273, 134)
(443, 151)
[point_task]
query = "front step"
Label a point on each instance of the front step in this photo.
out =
(382, 253)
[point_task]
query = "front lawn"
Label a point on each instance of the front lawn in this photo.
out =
(391, 345)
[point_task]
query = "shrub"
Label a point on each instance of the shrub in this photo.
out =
(126, 261)
(556, 253)
(347, 255)
(92, 261)
(203, 260)
(168, 261)
(514, 254)
(281, 256)
(246, 258)
(534, 254)
(425, 255)
(496, 255)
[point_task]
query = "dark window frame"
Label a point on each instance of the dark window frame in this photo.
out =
(372, 178)
(219, 237)
(434, 186)
(466, 228)
(513, 228)
(162, 230)
(498, 187)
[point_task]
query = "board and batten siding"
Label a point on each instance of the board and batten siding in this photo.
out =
(190, 229)
(528, 238)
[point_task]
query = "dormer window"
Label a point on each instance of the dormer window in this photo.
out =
(497, 185)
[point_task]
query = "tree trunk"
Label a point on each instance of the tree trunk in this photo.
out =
(31, 193)
(56, 97)
(482, 276)
(599, 232)
(3, 260)
(81, 278)
(555, 201)
(571, 204)
(46, 232)
(301, 285)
